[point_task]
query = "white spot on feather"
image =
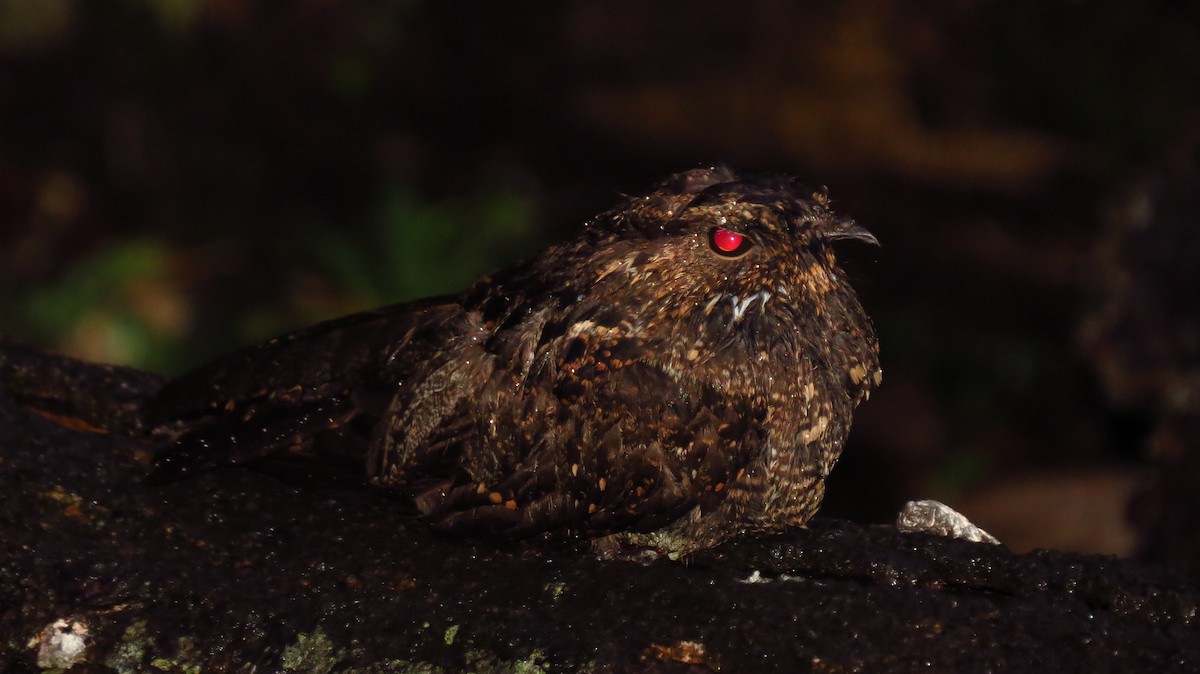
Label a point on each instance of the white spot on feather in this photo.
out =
(740, 306)
(815, 431)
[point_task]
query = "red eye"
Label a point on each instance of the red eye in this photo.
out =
(728, 243)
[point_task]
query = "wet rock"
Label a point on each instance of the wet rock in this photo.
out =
(239, 567)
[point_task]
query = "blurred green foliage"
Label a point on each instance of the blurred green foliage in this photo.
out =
(110, 305)
(183, 183)
(124, 302)
(409, 248)
(413, 248)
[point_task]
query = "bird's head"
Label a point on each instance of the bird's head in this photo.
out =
(731, 277)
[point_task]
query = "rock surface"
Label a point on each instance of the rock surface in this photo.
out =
(239, 570)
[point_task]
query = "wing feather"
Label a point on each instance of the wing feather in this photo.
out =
(335, 378)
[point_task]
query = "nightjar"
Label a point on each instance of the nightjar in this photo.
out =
(684, 369)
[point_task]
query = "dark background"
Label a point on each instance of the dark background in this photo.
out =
(181, 178)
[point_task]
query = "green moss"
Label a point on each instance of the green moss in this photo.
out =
(130, 652)
(314, 654)
(481, 662)
(397, 667)
(555, 590)
(168, 665)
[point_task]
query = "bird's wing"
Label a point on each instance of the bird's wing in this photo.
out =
(664, 443)
(612, 441)
(332, 381)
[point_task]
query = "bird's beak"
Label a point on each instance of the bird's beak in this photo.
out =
(848, 229)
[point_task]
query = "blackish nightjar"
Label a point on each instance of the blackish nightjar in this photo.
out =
(684, 369)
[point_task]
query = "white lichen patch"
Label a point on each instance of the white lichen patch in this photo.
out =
(61, 644)
(756, 578)
(935, 517)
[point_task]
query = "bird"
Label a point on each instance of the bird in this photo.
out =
(683, 370)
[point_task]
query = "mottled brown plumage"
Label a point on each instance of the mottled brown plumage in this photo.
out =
(684, 369)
